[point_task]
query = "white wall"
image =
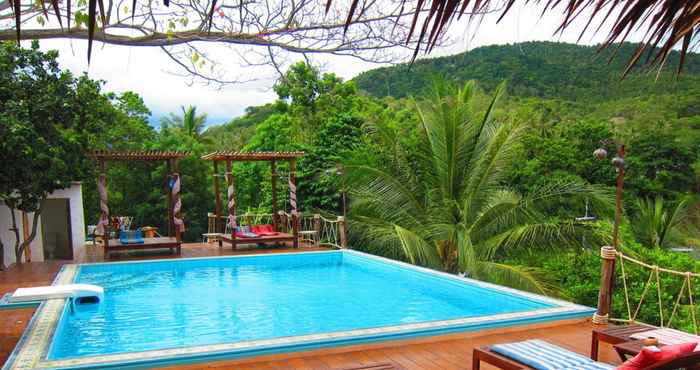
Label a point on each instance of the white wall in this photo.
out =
(8, 237)
(75, 196)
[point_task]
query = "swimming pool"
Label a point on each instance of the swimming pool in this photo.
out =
(171, 311)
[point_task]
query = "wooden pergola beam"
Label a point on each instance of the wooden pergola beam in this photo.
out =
(140, 155)
(227, 155)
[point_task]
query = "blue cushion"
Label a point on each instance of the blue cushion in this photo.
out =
(131, 237)
(545, 356)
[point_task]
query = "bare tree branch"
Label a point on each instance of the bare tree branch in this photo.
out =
(268, 31)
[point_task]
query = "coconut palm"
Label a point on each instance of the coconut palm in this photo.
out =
(657, 221)
(188, 123)
(444, 205)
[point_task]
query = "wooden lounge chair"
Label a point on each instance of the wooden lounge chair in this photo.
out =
(494, 355)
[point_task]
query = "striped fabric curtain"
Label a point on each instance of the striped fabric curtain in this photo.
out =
(177, 204)
(103, 223)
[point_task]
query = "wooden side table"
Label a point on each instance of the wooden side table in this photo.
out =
(629, 349)
(615, 335)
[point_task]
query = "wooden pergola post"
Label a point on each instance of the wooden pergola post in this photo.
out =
(168, 195)
(231, 201)
(317, 229)
(217, 199)
(273, 181)
(293, 201)
(104, 208)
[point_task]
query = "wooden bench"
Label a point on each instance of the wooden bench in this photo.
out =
(148, 243)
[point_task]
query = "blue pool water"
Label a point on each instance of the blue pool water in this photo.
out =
(180, 303)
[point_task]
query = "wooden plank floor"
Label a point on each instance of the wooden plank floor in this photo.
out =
(439, 353)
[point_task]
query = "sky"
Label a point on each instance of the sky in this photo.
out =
(149, 72)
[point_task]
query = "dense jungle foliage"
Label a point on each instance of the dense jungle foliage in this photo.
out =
(485, 177)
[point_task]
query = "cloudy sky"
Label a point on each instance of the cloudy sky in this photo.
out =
(149, 72)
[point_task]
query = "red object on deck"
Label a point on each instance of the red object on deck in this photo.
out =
(263, 230)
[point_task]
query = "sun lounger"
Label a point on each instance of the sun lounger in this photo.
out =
(539, 355)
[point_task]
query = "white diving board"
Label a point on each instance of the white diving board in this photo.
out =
(77, 291)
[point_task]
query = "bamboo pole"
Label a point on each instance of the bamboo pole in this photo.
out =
(607, 272)
(341, 232)
(620, 165)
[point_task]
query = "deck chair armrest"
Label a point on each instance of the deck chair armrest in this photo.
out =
(684, 361)
(486, 355)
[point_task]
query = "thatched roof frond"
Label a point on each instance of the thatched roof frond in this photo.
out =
(665, 23)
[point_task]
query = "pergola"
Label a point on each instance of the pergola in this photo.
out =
(176, 225)
(273, 157)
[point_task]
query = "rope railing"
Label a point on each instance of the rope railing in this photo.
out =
(313, 228)
(681, 299)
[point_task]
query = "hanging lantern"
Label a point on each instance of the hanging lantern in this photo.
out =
(600, 153)
(618, 162)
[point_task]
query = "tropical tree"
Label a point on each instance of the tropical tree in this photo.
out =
(189, 122)
(442, 203)
(49, 120)
(658, 221)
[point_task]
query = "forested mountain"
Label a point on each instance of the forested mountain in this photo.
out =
(535, 69)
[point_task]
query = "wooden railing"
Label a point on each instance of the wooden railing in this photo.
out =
(315, 228)
(670, 300)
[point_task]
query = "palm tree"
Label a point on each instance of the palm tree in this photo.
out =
(188, 123)
(443, 204)
(657, 221)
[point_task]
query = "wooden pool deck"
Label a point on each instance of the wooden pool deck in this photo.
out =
(439, 353)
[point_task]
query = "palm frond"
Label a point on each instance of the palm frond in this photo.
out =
(389, 194)
(656, 220)
(496, 151)
(518, 277)
(417, 249)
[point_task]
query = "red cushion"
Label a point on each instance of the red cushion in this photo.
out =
(265, 230)
(648, 356)
(255, 229)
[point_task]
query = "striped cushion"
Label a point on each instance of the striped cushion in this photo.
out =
(591, 366)
(544, 356)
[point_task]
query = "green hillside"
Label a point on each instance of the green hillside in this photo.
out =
(535, 69)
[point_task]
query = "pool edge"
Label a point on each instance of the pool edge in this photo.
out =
(564, 311)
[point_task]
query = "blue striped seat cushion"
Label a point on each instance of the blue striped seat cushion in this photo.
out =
(545, 356)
